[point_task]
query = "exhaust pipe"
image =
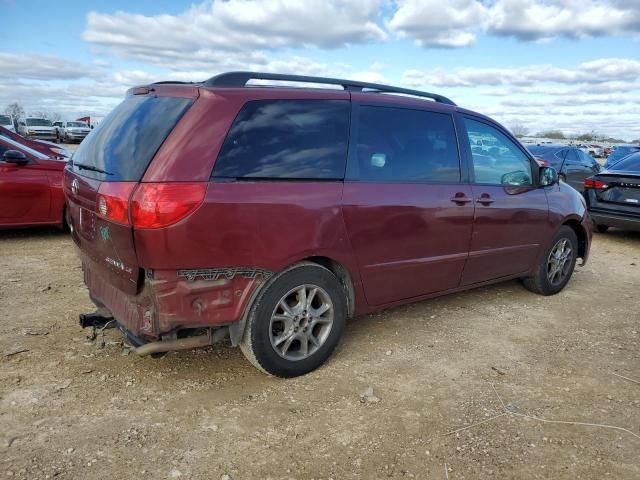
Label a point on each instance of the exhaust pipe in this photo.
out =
(182, 343)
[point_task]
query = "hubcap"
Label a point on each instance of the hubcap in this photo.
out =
(301, 322)
(559, 262)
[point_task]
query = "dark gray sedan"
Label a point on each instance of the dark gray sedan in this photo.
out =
(571, 163)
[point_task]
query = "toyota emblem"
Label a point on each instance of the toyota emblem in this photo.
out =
(74, 186)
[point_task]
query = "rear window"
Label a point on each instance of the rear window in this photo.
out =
(286, 139)
(628, 164)
(5, 120)
(121, 147)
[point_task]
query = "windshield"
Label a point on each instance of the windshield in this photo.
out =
(76, 124)
(124, 143)
(38, 122)
(628, 164)
(5, 120)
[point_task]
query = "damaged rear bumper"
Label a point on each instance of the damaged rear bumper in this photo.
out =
(170, 300)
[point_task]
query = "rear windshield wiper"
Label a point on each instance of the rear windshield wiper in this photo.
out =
(82, 166)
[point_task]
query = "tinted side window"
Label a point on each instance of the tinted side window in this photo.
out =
(401, 145)
(573, 156)
(288, 139)
(501, 162)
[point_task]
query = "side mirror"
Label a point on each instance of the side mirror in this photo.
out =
(548, 176)
(516, 179)
(14, 156)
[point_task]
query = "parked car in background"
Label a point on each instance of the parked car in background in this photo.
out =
(41, 128)
(592, 150)
(571, 163)
(607, 151)
(620, 152)
(613, 195)
(7, 122)
(69, 132)
(49, 149)
(30, 187)
(307, 231)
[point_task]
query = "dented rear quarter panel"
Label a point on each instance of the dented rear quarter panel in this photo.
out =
(264, 226)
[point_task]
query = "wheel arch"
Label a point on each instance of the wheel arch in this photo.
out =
(237, 329)
(577, 227)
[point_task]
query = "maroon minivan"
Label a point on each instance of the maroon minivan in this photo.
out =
(271, 214)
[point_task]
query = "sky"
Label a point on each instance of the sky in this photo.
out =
(570, 65)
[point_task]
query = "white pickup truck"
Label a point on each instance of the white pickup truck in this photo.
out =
(71, 131)
(7, 122)
(40, 128)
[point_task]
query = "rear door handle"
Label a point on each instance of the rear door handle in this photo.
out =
(485, 199)
(460, 198)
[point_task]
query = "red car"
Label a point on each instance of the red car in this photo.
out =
(30, 186)
(271, 215)
(48, 149)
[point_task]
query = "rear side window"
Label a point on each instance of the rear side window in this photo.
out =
(121, 147)
(287, 139)
(402, 145)
(585, 159)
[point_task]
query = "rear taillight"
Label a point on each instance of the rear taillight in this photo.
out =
(112, 201)
(156, 205)
(592, 183)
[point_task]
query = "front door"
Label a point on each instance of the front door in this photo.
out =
(407, 213)
(511, 212)
(24, 192)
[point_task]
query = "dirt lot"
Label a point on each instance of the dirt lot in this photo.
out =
(75, 409)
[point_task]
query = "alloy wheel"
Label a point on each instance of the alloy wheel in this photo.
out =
(301, 322)
(559, 262)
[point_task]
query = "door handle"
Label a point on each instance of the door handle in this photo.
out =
(460, 198)
(485, 199)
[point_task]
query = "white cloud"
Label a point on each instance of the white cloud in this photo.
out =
(546, 19)
(601, 95)
(601, 71)
(41, 67)
(433, 23)
(234, 33)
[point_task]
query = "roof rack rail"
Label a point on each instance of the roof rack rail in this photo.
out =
(240, 79)
(171, 82)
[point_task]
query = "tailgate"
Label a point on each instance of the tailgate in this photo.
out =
(109, 244)
(106, 168)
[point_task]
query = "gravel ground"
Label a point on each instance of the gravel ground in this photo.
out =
(382, 407)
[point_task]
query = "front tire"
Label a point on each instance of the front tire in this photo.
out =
(557, 264)
(296, 322)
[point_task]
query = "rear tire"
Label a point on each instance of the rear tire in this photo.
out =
(602, 228)
(296, 323)
(557, 264)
